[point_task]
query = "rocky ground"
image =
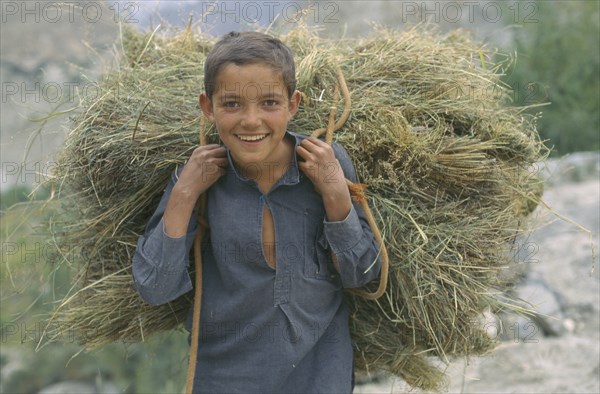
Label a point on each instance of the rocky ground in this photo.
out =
(560, 352)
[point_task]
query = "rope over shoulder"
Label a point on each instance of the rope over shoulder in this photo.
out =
(356, 190)
(202, 227)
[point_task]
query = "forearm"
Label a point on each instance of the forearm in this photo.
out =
(160, 261)
(160, 266)
(355, 249)
(337, 205)
(178, 212)
(204, 167)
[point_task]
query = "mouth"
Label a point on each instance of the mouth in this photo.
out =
(251, 138)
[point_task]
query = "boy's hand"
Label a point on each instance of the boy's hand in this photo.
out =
(324, 170)
(206, 164)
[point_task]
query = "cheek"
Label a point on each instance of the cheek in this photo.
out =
(282, 118)
(223, 129)
(224, 121)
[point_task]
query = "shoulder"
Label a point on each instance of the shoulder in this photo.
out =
(345, 161)
(341, 154)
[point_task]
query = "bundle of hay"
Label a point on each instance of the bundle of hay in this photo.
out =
(431, 132)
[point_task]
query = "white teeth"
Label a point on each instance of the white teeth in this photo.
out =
(251, 137)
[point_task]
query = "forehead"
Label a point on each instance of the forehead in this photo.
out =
(234, 78)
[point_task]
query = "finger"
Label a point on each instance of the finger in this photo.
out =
(223, 163)
(308, 144)
(303, 165)
(211, 146)
(317, 141)
(219, 152)
(318, 147)
(209, 153)
(308, 168)
(205, 150)
(303, 152)
(219, 161)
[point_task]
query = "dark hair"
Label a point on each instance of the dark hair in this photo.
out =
(249, 47)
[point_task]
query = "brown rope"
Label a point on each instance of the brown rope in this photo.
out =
(191, 373)
(383, 274)
(345, 114)
(356, 191)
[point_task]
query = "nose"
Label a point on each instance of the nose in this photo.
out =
(251, 119)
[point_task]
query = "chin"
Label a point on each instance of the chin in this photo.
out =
(245, 159)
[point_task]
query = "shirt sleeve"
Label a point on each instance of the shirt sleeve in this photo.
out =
(351, 239)
(160, 263)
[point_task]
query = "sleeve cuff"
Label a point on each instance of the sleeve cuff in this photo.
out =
(167, 236)
(170, 252)
(343, 235)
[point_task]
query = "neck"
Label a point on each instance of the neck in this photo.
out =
(268, 172)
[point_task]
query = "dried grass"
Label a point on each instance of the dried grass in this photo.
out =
(432, 133)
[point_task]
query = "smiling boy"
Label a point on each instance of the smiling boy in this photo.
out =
(273, 316)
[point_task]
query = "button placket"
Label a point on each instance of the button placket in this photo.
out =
(282, 271)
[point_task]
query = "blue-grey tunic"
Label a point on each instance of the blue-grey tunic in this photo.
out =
(265, 330)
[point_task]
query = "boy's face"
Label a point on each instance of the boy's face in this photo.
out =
(251, 109)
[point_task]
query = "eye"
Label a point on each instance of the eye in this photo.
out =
(271, 103)
(231, 104)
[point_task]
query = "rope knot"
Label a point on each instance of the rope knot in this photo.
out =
(357, 192)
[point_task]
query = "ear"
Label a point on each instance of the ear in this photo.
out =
(206, 106)
(294, 103)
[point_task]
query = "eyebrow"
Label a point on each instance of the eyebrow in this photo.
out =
(273, 95)
(235, 96)
(228, 96)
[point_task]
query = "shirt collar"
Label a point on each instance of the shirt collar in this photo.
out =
(290, 177)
